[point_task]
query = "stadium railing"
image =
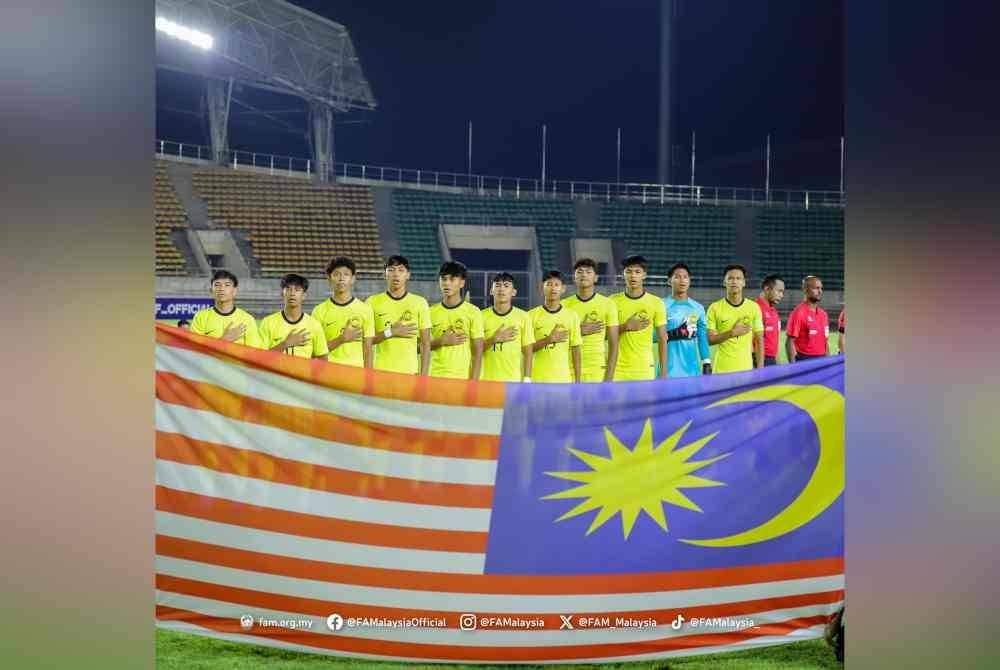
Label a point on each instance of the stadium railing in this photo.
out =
(511, 187)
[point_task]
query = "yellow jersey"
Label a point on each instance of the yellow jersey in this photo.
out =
(275, 327)
(736, 353)
(636, 353)
(594, 349)
(455, 361)
(553, 363)
(399, 354)
(213, 323)
(502, 361)
(334, 317)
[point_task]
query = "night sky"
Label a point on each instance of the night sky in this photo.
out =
(742, 70)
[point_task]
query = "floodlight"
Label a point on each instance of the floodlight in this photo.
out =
(190, 35)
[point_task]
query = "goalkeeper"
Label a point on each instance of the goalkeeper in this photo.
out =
(688, 354)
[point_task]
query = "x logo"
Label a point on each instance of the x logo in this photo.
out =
(566, 623)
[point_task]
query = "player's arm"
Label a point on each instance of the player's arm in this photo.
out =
(609, 373)
(706, 353)
(577, 365)
(295, 338)
(397, 329)
(425, 351)
(791, 332)
(320, 348)
(544, 342)
(366, 351)
(758, 334)
(477, 358)
(448, 338)
(368, 337)
(527, 339)
(661, 350)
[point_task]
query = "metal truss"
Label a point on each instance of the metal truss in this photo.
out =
(270, 44)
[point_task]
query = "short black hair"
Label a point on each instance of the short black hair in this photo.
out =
(503, 276)
(453, 269)
(552, 274)
(636, 260)
(183, 322)
(735, 266)
(769, 280)
(341, 262)
(225, 274)
(585, 263)
(678, 266)
(397, 260)
(292, 279)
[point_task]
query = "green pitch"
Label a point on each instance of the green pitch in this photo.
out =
(181, 651)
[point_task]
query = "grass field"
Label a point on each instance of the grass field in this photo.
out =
(182, 651)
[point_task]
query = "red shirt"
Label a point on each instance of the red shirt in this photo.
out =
(809, 329)
(772, 326)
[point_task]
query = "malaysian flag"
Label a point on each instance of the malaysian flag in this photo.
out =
(336, 510)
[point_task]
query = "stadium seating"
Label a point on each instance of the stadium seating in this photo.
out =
(169, 215)
(701, 236)
(293, 225)
(418, 213)
(799, 242)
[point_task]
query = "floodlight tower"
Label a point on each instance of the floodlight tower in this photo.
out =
(267, 44)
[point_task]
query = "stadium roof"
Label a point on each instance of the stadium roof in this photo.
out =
(269, 44)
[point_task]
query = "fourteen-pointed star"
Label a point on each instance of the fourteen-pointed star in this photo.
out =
(641, 479)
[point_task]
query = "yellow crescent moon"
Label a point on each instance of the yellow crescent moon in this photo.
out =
(826, 408)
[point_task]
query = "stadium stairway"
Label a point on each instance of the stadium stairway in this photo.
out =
(388, 237)
(180, 177)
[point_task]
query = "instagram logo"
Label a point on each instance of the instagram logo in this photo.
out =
(467, 622)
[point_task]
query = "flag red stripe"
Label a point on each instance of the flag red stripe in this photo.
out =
(315, 526)
(173, 389)
(323, 608)
(491, 584)
(345, 643)
(341, 377)
(247, 463)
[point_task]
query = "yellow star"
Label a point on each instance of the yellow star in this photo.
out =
(638, 480)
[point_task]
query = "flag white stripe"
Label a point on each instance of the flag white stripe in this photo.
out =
(373, 596)
(757, 642)
(481, 638)
(204, 481)
(314, 549)
(273, 387)
(211, 427)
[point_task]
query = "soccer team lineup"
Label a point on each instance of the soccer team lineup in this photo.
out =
(631, 335)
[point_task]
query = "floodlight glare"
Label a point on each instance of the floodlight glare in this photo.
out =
(190, 35)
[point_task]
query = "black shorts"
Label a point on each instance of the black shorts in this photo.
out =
(770, 360)
(806, 357)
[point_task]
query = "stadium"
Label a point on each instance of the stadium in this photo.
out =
(262, 215)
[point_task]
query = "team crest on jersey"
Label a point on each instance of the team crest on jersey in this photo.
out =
(458, 326)
(354, 322)
(407, 316)
(592, 316)
(643, 314)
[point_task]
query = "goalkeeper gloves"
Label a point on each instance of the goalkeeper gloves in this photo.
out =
(679, 333)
